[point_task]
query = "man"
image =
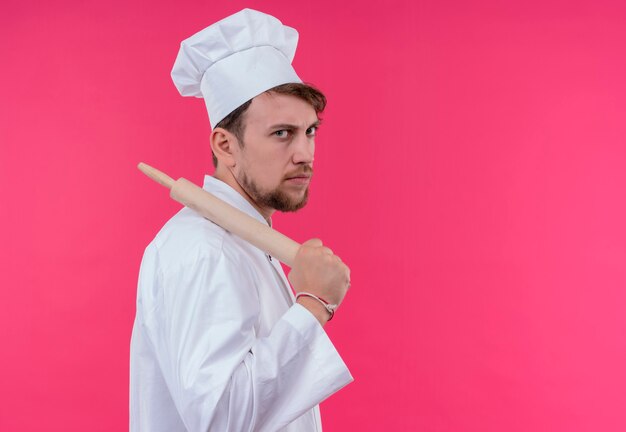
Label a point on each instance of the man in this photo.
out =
(219, 342)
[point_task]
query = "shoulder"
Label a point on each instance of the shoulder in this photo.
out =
(188, 238)
(192, 259)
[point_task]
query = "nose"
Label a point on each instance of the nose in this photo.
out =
(304, 149)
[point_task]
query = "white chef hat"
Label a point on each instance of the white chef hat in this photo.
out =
(234, 60)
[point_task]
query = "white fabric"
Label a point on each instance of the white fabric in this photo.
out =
(234, 60)
(218, 343)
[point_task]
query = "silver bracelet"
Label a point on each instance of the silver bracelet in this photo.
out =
(329, 307)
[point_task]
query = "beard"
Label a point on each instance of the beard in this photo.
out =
(276, 198)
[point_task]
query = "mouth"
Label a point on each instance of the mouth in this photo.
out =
(299, 180)
(301, 177)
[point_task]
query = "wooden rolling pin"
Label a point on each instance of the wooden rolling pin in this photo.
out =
(228, 217)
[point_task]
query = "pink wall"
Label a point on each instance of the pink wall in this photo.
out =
(471, 170)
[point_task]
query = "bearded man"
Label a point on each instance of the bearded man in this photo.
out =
(220, 342)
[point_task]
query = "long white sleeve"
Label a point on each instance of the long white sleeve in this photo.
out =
(200, 315)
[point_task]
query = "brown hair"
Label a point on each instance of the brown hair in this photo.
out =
(234, 122)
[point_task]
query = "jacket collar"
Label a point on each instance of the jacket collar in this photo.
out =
(232, 197)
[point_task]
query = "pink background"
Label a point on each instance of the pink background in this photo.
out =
(471, 171)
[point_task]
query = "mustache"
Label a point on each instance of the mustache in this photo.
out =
(306, 170)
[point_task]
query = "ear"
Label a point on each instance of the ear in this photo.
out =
(225, 146)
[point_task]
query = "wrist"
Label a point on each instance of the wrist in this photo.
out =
(315, 308)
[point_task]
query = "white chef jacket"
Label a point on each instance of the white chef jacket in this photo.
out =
(218, 343)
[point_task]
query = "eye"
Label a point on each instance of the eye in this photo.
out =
(311, 131)
(281, 133)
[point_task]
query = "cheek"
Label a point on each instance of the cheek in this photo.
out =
(266, 166)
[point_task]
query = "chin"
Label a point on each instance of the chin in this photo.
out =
(296, 204)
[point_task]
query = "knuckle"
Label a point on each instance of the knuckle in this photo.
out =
(314, 242)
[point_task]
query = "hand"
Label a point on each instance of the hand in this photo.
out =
(320, 272)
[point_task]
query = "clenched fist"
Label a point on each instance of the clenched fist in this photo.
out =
(318, 271)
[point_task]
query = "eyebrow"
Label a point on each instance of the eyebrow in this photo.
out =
(288, 126)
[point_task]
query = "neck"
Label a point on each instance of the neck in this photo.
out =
(225, 175)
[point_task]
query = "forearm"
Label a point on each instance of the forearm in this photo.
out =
(284, 375)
